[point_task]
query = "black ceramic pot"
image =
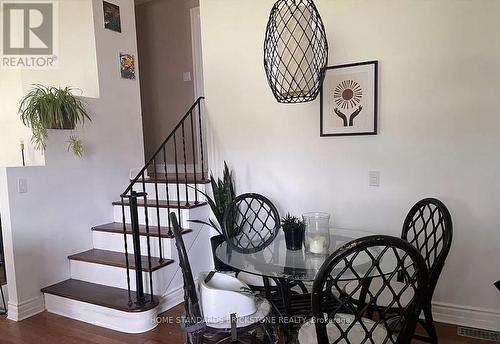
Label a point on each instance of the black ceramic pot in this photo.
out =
(294, 239)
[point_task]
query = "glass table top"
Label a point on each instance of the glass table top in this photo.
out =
(278, 262)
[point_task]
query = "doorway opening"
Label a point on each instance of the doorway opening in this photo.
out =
(170, 65)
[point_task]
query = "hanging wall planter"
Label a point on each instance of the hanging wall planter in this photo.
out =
(295, 51)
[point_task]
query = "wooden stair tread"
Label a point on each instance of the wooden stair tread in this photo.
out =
(162, 204)
(172, 178)
(117, 227)
(98, 294)
(117, 259)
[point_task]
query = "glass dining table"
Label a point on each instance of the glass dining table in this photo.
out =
(277, 262)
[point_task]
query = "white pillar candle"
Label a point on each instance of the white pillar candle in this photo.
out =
(317, 245)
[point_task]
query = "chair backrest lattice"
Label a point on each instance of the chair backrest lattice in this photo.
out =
(383, 259)
(428, 227)
(251, 223)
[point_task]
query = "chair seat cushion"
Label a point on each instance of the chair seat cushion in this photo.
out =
(355, 335)
(386, 297)
(263, 310)
(253, 280)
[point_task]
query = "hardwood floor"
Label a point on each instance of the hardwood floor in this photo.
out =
(47, 328)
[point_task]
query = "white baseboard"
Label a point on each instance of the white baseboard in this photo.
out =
(26, 309)
(482, 318)
(170, 300)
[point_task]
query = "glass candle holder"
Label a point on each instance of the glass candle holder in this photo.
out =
(317, 233)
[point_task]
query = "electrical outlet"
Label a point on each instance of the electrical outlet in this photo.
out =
(374, 178)
(22, 185)
(186, 76)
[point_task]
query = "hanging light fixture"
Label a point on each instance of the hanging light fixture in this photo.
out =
(295, 51)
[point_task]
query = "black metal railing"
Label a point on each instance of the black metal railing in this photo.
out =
(175, 149)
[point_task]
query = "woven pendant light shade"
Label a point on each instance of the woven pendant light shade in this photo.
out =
(295, 51)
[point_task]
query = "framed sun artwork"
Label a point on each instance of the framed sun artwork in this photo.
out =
(349, 99)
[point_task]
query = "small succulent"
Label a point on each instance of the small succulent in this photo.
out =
(291, 223)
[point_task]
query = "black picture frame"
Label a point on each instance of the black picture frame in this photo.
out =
(112, 17)
(375, 99)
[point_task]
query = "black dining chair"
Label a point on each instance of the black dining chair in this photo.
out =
(362, 260)
(251, 223)
(250, 330)
(428, 227)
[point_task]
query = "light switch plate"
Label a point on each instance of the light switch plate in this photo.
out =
(186, 76)
(22, 185)
(374, 178)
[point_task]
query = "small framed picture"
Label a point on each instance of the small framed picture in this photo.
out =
(112, 20)
(349, 100)
(127, 66)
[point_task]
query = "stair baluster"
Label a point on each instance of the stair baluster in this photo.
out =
(194, 160)
(201, 142)
(167, 191)
(134, 219)
(157, 207)
(185, 162)
(127, 263)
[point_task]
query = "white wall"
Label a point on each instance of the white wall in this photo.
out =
(69, 195)
(12, 131)
(439, 127)
(77, 68)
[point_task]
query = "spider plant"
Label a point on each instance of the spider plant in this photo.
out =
(223, 194)
(46, 107)
(75, 145)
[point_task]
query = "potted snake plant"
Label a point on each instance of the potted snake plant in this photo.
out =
(223, 194)
(46, 107)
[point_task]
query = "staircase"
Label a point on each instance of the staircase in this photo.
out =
(131, 273)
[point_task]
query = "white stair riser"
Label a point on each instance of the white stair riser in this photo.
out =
(116, 277)
(185, 215)
(172, 191)
(115, 242)
(102, 316)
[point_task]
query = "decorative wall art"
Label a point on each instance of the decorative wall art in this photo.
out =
(127, 66)
(295, 51)
(112, 19)
(349, 100)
